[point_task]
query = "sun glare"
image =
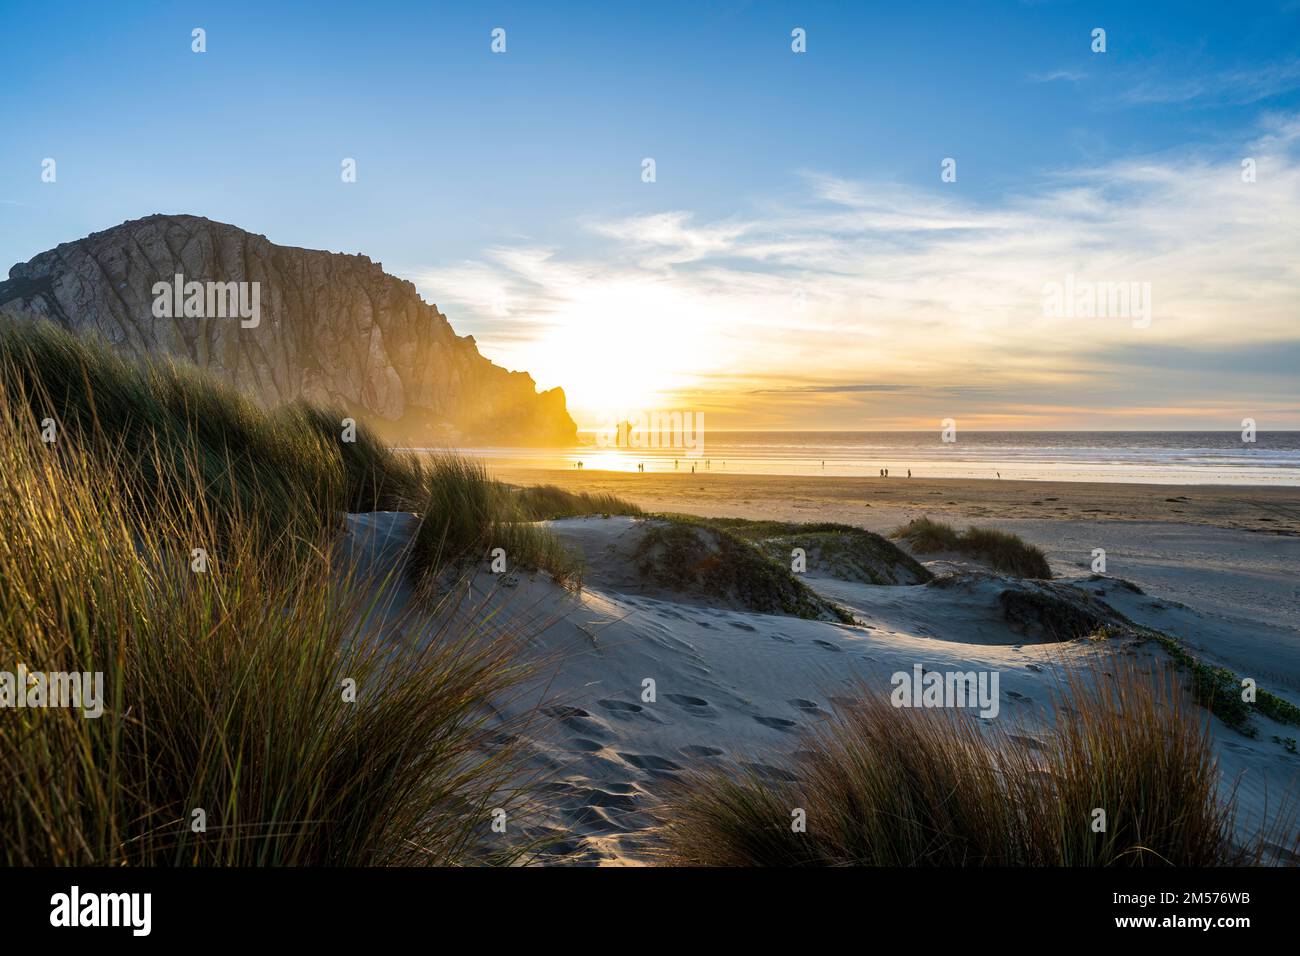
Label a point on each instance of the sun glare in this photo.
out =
(624, 346)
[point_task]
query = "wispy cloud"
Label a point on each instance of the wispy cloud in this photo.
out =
(1058, 76)
(938, 297)
(1235, 87)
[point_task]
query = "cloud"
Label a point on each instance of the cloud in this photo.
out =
(1239, 86)
(669, 237)
(1054, 76)
(937, 295)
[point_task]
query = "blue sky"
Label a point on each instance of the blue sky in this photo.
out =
(508, 187)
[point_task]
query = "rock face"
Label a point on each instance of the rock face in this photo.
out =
(332, 328)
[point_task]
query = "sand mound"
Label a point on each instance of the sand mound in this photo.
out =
(638, 684)
(685, 561)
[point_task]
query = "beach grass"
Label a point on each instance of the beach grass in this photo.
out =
(1001, 550)
(838, 550)
(549, 502)
(166, 424)
(686, 554)
(181, 543)
(467, 516)
(1125, 777)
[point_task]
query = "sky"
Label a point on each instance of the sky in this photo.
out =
(799, 260)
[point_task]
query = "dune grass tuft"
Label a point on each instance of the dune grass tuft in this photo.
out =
(1001, 550)
(884, 786)
(548, 502)
(836, 550)
(223, 688)
(467, 515)
(692, 556)
(164, 423)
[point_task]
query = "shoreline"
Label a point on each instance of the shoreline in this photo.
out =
(880, 503)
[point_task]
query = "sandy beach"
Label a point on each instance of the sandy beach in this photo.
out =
(879, 504)
(738, 686)
(1228, 551)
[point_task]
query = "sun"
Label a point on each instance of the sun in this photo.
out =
(624, 346)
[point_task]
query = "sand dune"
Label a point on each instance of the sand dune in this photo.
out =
(733, 685)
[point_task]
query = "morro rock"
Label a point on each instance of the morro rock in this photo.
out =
(332, 328)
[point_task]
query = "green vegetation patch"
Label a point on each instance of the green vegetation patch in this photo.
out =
(690, 556)
(835, 550)
(1001, 550)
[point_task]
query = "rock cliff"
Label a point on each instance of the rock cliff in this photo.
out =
(332, 328)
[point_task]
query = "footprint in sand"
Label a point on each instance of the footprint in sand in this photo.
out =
(701, 750)
(804, 704)
(564, 713)
(619, 705)
(776, 723)
(590, 819)
(579, 721)
(742, 625)
(650, 762)
(595, 797)
(829, 646)
(622, 710)
(696, 706)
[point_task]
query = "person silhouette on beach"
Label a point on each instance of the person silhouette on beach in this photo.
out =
(909, 472)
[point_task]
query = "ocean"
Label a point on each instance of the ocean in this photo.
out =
(1183, 457)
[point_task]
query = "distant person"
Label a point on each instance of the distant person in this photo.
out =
(674, 463)
(909, 472)
(998, 473)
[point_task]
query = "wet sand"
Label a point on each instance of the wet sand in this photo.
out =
(883, 503)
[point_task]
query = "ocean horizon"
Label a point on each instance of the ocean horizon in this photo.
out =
(1155, 457)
